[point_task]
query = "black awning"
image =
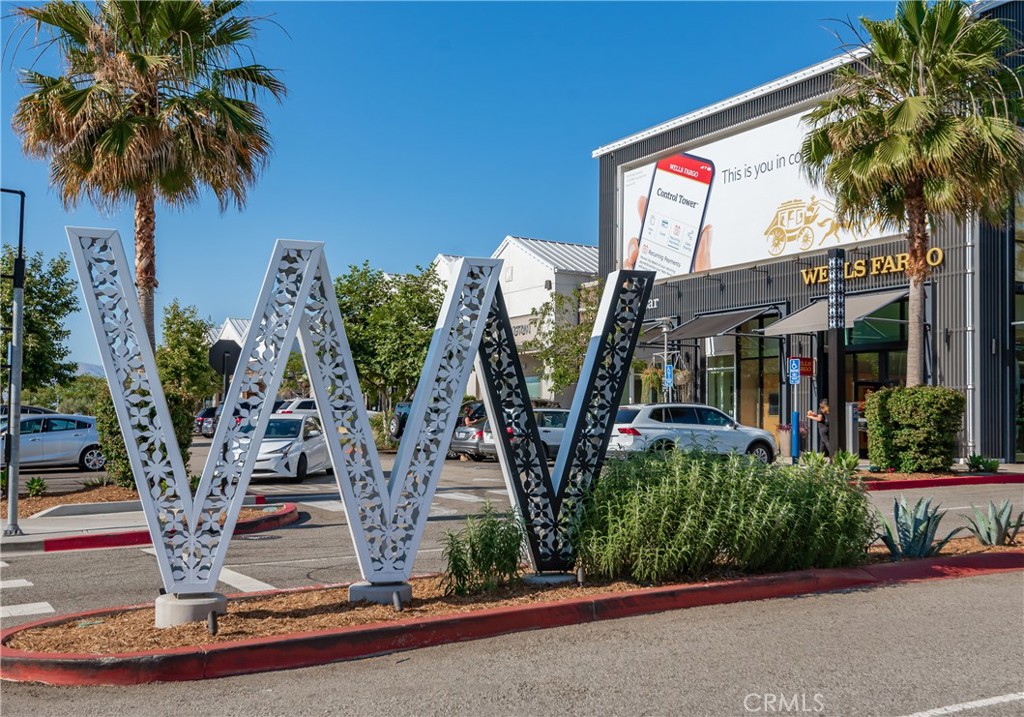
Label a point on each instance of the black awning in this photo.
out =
(709, 325)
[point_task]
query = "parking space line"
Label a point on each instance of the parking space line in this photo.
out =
(29, 608)
(3, 564)
(19, 583)
(963, 706)
(335, 506)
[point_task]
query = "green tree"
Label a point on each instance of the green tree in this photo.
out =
(405, 326)
(562, 329)
(49, 299)
(925, 125)
(183, 358)
(295, 381)
(81, 395)
(362, 293)
(156, 101)
(389, 322)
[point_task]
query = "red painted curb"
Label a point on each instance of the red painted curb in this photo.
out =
(287, 514)
(995, 478)
(317, 648)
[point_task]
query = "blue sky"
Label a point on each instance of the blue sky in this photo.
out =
(417, 128)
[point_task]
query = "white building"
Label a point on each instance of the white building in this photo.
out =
(533, 270)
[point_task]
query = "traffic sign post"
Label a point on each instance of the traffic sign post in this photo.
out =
(669, 376)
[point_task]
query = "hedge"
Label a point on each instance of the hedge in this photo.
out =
(914, 430)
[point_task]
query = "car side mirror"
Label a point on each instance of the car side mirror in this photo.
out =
(314, 433)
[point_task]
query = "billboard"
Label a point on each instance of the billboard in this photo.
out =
(756, 205)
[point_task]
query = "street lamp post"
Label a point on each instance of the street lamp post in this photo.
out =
(12, 448)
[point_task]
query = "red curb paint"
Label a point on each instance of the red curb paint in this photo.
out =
(286, 515)
(950, 481)
(317, 648)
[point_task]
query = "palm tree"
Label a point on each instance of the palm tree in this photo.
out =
(156, 100)
(923, 125)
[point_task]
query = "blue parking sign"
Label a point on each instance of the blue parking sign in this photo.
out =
(794, 371)
(669, 370)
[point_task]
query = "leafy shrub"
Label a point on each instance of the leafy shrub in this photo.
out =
(654, 518)
(118, 467)
(35, 487)
(112, 442)
(978, 464)
(485, 555)
(914, 429)
(3, 484)
(914, 536)
(381, 434)
(997, 527)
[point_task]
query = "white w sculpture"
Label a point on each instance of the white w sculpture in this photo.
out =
(386, 516)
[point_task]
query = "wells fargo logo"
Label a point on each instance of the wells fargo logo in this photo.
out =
(875, 266)
(808, 224)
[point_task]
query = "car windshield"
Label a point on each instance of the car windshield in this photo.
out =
(279, 428)
(626, 415)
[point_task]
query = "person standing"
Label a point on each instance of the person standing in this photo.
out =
(821, 417)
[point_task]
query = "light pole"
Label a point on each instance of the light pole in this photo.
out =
(13, 444)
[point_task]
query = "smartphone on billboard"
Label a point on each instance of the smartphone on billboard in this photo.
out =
(677, 203)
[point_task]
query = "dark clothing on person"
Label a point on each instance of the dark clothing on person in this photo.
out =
(823, 443)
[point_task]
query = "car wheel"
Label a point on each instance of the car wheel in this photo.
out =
(300, 469)
(662, 446)
(91, 459)
(476, 457)
(761, 452)
(396, 426)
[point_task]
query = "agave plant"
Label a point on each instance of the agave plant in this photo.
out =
(914, 536)
(998, 526)
(847, 462)
(813, 460)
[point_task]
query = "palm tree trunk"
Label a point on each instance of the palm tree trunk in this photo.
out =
(917, 271)
(145, 256)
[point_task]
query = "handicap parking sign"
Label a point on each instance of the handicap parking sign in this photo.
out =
(794, 371)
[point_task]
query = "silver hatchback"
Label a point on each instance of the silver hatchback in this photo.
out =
(59, 439)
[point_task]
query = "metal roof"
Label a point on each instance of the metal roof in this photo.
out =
(560, 256)
(233, 329)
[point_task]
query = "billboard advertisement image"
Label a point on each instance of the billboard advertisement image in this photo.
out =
(738, 200)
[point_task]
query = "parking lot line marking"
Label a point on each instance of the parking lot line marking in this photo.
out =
(963, 706)
(19, 583)
(29, 608)
(495, 491)
(3, 564)
(437, 511)
(335, 506)
(456, 495)
(323, 560)
(243, 582)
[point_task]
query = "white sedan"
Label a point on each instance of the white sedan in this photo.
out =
(293, 447)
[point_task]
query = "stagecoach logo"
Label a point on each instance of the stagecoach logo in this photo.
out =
(808, 224)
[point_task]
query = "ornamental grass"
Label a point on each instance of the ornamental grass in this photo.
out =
(657, 518)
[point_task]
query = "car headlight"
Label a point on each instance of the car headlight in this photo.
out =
(283, 450)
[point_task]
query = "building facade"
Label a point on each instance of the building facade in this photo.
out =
(714, 201)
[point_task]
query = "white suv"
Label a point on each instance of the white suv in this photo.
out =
(666, 426)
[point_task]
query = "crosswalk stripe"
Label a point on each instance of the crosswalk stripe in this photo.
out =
(465, 497)
(29, 608)
(19, 583)
(243, 582)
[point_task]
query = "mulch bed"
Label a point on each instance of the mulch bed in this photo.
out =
(327, 609)
(880, 475)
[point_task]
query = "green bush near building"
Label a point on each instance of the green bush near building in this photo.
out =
(914, 429)
(679, 515)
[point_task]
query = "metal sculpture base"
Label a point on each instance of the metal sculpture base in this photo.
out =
(556, 578)
(182, 609)
(380, 593)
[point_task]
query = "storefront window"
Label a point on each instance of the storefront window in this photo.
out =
(885, 326)
(533, 386)
(759, 390)
(721, 383)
